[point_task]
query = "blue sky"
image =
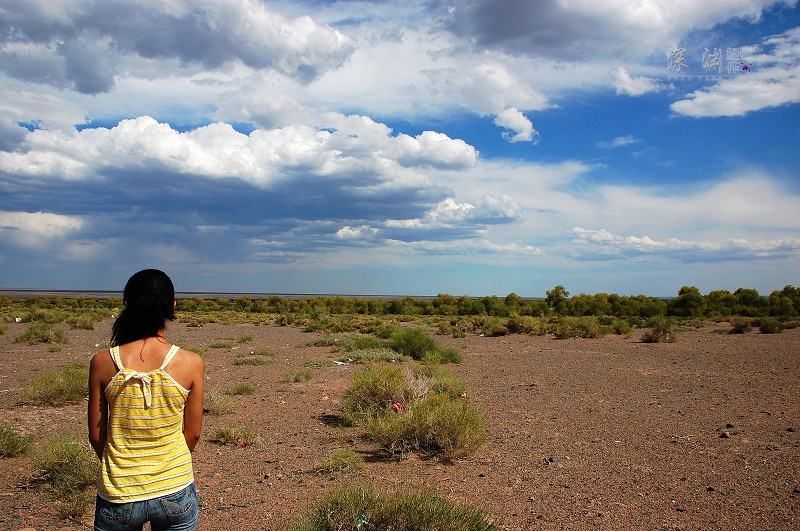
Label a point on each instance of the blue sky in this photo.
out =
(477, 147)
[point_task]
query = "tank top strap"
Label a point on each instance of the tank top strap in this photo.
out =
(171, 354)
(115, 357)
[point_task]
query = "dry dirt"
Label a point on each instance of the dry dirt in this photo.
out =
(607, 433)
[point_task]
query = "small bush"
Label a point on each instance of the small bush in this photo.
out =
(525, 324)
(245, 339)
(12, 443)
(241, 437)
(414, 408)
(41, 332)
(69, 465)
(412, 342)
(362, 508)
(441, 356)
(222, 344)
(437, 425)
(339, 461)
(241, 389)
(662, 330)
(69, 385)
(252, 360)
(3, 327)
(621, 327)
(372, 356)
(770, 326)
(580, 327)
(374, 389)
(83, 322)
(216, 401)
(297, 376)
(741, 325)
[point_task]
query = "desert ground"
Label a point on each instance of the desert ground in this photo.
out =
(607, 433)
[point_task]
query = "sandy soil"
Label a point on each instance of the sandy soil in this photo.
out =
(608, 433)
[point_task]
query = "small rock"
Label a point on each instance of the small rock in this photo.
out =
(790, 429)
(711, 489)
(553, 459)
(725, 435)
(730, 425)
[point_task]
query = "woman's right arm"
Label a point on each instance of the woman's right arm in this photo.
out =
(98, 407)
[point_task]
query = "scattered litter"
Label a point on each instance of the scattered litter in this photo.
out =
(340, 363)
(361, 521)
(17, 319)
(440, 390)
(463, 394)
(397, 406)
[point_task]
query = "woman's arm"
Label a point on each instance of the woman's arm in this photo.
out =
(98, 407)
(193, 411)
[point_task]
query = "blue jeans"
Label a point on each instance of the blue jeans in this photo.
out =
(173, 512)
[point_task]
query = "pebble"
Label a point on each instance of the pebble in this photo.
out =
(553, 459)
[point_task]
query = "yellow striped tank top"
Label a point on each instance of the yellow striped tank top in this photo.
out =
(146, 455)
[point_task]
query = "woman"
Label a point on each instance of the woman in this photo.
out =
(145, 415)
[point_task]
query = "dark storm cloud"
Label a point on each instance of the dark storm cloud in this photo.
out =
(241, 30)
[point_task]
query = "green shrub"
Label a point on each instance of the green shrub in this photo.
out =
(297, 376)
(41, 332)
(374, 389)
(436, 424)
(770, 326)
(222, 344)
(233, 437)
(621, 327)
(252, 360)
(83, 322)
(362, 508)
(581, 327)
(414, 408)
(741, 325)
(662, 330)
(216, 401)
(3, 328)
(12, 443)
(241, 389)
(372, 356)
(412, 342)
(57, 388)
(441, 356)
(525, 324)
(245, 339)
(339, 461)
(69, 465)
(494, 327)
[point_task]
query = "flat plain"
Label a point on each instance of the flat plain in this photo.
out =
(608, 433)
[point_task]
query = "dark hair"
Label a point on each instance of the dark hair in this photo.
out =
(149, 299)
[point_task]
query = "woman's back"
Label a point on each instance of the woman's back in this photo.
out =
(146, 454)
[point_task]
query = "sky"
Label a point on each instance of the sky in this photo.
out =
(395, 147)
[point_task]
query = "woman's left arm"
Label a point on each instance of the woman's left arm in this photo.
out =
(193, 411)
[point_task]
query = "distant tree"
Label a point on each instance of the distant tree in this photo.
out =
(750, 303)
(556, 297)
(513, 303)
(721, 303)
(689, 303)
